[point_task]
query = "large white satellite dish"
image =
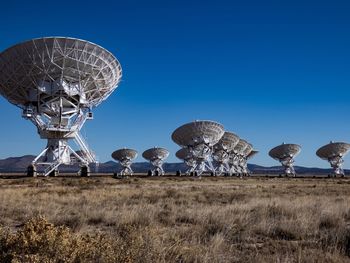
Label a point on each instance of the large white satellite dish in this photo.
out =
(56, 81)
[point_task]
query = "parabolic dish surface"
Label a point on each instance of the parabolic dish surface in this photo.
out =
(227, 142)
(87, 68)
(183, 154)
(192, 133)
(124, 153)
(247, 149)
(153, 153)
(333, 149)
(285, 150)
(240, 147)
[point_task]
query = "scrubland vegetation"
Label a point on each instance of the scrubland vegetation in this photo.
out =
(174, 220)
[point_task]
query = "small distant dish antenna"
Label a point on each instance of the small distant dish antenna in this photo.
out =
(56, 81)
(125, 157)
(200, 137)
(157, 157)
(285, 154)
(334, 153)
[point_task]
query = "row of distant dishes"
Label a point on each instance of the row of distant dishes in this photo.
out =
(332, 152)
(156, 156)
(228, 156)
(205, 148)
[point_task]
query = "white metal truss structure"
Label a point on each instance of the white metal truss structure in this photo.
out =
(236, 158)
(199, 137)
(222, 152)
(334, 153)
(157, 157)
(285, 154)
(233, 163)
(336, 163)
(186, 155)
(243, 160)
(203, 156)
(56, 81)
(288, 164)
(221, 158)
(125, 157)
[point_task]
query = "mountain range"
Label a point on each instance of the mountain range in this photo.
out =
(19, 164)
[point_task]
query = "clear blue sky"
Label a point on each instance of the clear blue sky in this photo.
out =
(270, 71)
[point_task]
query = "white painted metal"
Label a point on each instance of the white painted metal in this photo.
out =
(285, 154)
(222, 150)
(56, 81)
(156, 156)
(236, 158)
(125, 158)
(200, 137)
(186, 155)
(334, 153)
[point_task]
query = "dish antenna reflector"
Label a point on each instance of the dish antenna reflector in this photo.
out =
(57, 81)
(156, 156)
(285, 154)
(125, 158)
(334, 153)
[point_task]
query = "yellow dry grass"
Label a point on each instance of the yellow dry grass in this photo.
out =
(102, 219)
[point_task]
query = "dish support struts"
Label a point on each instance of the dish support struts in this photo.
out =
(126, 164)
(238, 165)
(288, 165)
(59, 118)
(202, 153)
(157, 163)
(336, 163)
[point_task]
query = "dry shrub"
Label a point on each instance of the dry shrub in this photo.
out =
(40, 241)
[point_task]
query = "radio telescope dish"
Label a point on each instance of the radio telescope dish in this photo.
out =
(200, 137)
(125, 158)
(334, 153)
(197, 132)
(285, 154)
(156, 156)
(56, 81)
(186, 155)
(222, 151)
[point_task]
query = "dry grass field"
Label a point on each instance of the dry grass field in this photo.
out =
(102, 219)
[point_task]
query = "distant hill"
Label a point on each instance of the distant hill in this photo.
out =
(19, 164)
